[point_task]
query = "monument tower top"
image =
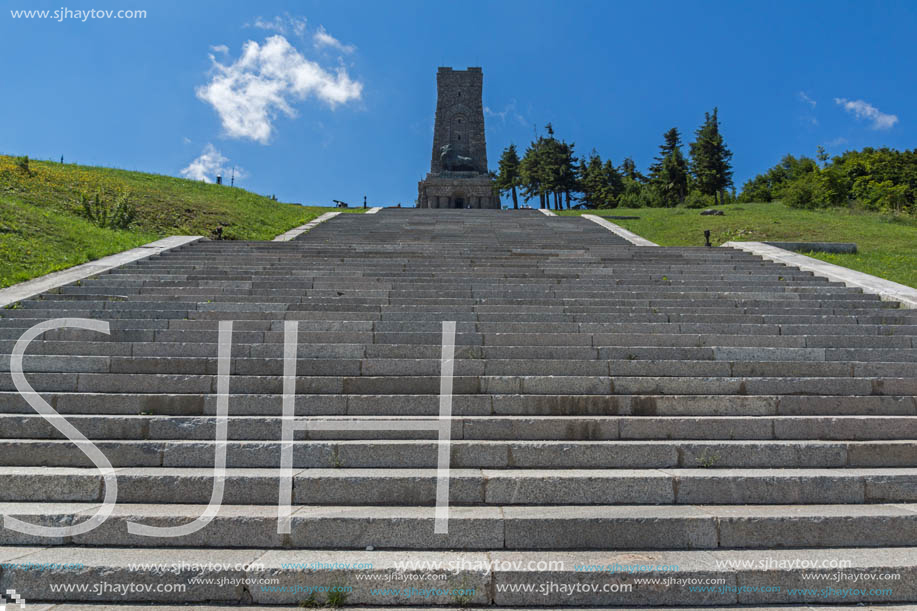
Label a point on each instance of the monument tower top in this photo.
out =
(459, 121)
(458, 175)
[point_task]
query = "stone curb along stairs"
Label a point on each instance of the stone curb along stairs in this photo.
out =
(617, 411)
(298, 231)
(885, 289)
(54, 280)
(629, 236)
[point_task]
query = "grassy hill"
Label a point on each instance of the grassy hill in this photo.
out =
(887, 244)
(43, 227)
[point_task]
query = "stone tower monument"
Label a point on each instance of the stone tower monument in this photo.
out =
(458, 168)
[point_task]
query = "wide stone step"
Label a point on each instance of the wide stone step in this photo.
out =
(548, 314)
(199, 293)
(491, 330)
(497, 454)
(244, 308)
(149, 292)
(596, 527)
(341, 307)
(802, 295)
(727, 364)
(201, 284)
(504, 578)
(696, 340)
(153, 427)
(234, 607)
(586, 282)
(185, 350)
(537, 385)
(350, 303)
(343, 486)
(196, 404)
(474, 321)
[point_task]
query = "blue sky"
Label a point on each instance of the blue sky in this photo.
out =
(317, 101)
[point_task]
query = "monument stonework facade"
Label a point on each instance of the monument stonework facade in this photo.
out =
(458, 175)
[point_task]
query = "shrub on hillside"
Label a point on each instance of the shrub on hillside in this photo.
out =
(835, 187)
(882, 196)
(117, 215)
(639, 195)
(634, 199)
(696, 199)
(803, 192)
(875, 179)
(770, 185)
(23, 164)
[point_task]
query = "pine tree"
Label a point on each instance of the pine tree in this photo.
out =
(629, 169)
(613, 185)
(551, 171)
(552, 161)
(674, 179)
(669, 173)
(532, 171)
(592, 181)
(569, 181)
(671, 142)
(710, 158)
(509, 177)
(822, 155)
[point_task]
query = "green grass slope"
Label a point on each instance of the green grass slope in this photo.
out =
(43, 227)
(887, 245)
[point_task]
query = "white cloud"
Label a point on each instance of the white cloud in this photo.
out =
(267, 79)
(806, 99)
(219, 48)
(323, 39)
(283, 25)
(803, 97)
(508, 111)
(186, 139)
(840, 141)
(865, 110)
(211, 163)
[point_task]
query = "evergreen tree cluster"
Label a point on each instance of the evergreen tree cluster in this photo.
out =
(883, 179)
(550, 171)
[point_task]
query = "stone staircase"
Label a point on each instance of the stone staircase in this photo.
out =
(614, 406)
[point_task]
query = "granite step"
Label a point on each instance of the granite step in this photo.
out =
(261, 365)
(590, 527)
(186, 350)
(196, 404)
(569, 428)
(597, 385)
(696, 340)
(353, 486)
(353, 451)
(206, 607)
(462, 385)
